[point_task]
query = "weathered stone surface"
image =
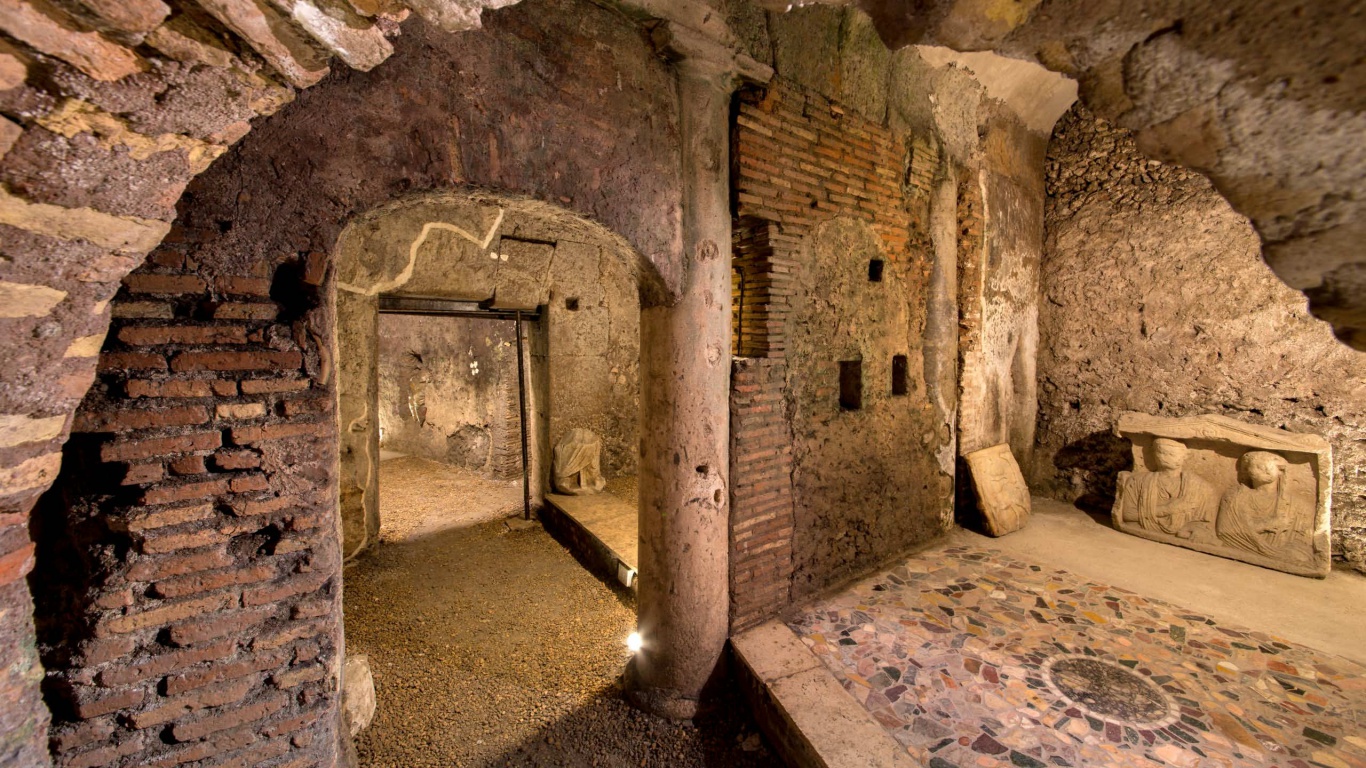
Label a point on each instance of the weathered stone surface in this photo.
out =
(349, 36)
(134, 17)
(9, 133)
(183, 40)
(1002, 494)
(118, 233)
(50, 31)
(1229, 488)
(358, 694)
(1194, 322)
(455, 15)
(272, 35)
(73, 117)
(13, 70)
(17, 429)
(577, 467)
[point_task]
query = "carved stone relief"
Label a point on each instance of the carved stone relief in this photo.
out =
(577, 466)
(1242, 491)
(1001, 490)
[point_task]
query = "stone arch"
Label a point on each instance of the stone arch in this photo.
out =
(250, 252)
(105, 126)
(506, 253)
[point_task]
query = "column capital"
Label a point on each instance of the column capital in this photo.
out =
(700, 54)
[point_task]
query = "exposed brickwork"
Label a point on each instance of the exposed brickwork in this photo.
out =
(761, 521)
(191, 494)
(802, 159)
(764, 287)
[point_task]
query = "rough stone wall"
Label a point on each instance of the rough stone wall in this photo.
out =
(836, 192)
(1156, 301)
(460, 370)
(210, 593)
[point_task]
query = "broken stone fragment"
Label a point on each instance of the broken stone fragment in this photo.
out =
(358, 694)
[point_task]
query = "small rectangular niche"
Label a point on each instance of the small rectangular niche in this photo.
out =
(851, 385)
(900, 375)
(875, 270)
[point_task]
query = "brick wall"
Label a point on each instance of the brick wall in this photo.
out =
(799, 161)
(761, 522)
(189, 561)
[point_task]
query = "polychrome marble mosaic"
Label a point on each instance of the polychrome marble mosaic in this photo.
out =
(972, 658)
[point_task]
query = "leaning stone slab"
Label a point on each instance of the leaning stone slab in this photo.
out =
(1002, 493)
(1218, 485)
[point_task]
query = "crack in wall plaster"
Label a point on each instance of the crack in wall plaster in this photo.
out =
(407, 273)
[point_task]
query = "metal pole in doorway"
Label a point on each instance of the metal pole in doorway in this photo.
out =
(521, 405)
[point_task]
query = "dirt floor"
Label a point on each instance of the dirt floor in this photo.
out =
(419, 497)
(492, 646)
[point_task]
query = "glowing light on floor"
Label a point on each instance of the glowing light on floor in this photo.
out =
(633, 642)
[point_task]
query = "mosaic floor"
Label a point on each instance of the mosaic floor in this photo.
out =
(972, 658)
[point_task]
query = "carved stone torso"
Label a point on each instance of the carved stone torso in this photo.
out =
(1237, 490)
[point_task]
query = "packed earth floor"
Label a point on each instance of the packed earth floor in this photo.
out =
(491, 646)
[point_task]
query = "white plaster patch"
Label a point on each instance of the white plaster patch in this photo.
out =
(407, 273)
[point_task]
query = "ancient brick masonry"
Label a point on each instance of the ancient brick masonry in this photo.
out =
(799, 159)
(761, 492)
(199, 473)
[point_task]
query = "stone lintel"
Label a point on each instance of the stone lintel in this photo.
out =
(1216, 427)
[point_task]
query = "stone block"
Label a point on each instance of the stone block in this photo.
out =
(272, 36)
(1218, 485)
(51, 31)
(358, 694)
(1002, 494)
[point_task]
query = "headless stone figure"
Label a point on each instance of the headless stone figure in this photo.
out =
(577, 467)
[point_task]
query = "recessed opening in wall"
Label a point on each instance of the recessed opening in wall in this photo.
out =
(851, 385)
(875, 270)
(571, 304)
(900, 375)
(452, 379)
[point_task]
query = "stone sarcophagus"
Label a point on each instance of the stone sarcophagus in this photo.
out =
(1219, 485)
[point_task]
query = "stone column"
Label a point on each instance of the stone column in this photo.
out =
(685, 383)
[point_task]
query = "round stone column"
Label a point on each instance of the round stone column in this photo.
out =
(684, 462)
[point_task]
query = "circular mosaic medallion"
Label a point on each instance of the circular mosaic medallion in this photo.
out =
(1110, 691)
